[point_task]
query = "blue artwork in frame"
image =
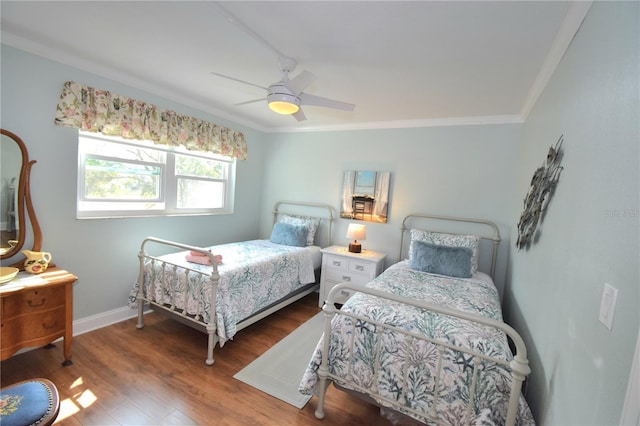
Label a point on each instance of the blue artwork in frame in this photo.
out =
(365, 195)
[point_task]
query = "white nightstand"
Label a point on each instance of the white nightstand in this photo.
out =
(339, 265)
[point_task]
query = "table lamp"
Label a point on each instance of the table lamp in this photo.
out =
(356, 232)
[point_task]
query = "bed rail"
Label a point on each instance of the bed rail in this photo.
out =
(494, 236)
(518, 366)
(193, 320)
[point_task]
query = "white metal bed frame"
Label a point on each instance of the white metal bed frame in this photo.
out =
(519, 366)
(196, 320)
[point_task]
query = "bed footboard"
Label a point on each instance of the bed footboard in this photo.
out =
(195, 320)
(518, 367)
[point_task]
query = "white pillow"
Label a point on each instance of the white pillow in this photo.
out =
(450, 240)
(309, 222)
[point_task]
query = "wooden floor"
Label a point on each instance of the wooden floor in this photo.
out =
(120, 376)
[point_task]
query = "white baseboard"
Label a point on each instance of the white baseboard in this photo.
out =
(94, 322)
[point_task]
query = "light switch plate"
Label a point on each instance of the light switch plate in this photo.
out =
(608, 305)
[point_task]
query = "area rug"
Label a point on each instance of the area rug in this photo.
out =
(279, 370)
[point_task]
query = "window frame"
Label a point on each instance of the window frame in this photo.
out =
(166, 203)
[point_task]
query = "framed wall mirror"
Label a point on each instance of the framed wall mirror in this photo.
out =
(365, 195)
(16, 226)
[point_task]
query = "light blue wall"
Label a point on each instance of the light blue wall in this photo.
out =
(102, 252)
(590, 235)
(459, 171)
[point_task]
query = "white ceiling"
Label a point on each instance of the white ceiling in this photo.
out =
(403, 64)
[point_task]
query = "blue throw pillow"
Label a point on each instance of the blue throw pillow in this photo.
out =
(441, 260)
(290, 235)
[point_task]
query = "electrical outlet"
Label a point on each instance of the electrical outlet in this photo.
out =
(608, 305)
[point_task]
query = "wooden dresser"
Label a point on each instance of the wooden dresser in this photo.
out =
(36, 310)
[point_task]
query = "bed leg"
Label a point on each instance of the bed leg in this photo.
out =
(322, 391)
(140, 321)
(211, 331)
(323, 369)
(140, 282)
(519, 370)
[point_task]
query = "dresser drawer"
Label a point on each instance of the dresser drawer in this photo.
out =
(334, 276)
(33, 326)
(337, 262)
(36, 300)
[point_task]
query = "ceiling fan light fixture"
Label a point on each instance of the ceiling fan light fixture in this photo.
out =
(283, 107)
(283, 103)
(281, 100)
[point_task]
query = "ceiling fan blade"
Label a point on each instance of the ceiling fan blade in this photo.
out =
(299, 115)
(251, 101)
(307, 99)
(300, 82)
(234, 20)
(239, 81)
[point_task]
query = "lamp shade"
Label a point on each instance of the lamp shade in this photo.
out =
(356, 232)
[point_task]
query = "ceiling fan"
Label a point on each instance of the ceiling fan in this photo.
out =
(287, 96)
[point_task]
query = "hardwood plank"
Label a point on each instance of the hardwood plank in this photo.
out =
(121, 376)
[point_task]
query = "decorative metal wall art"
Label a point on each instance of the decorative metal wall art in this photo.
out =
(543, 184)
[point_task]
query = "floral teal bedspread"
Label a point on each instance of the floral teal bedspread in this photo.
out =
(253, 275)
(416, 360)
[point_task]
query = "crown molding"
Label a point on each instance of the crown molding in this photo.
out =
(407, 124)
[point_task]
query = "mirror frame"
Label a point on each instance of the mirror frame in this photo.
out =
(24, 202)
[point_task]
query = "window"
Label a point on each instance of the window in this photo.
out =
(120, 178)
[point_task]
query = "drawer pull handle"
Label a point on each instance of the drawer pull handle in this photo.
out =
(49, 327)
(359, 268)
(34, 305)
(337, 263)
(346, 278)
(345, 293)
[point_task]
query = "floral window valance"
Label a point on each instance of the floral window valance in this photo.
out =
(100, 111)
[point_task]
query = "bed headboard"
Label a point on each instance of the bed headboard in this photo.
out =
(323, 212)
(487, 230)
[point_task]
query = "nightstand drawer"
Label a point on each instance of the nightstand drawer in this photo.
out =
(360, 267)
(343, 295)
(337, 262)
(334, 276)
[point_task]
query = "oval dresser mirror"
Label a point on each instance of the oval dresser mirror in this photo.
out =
(15, 198)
